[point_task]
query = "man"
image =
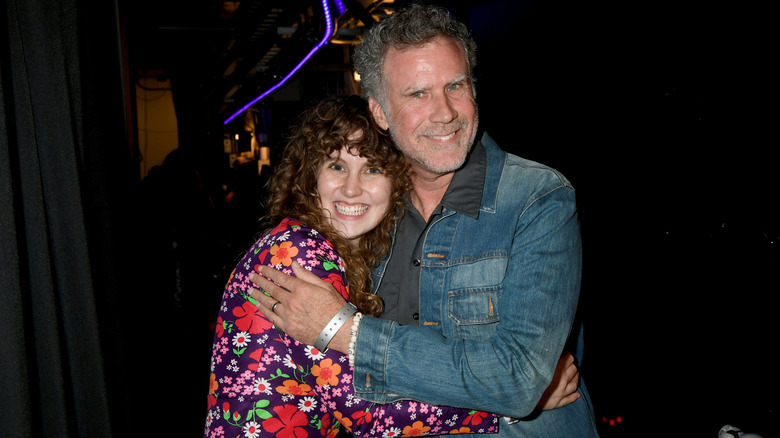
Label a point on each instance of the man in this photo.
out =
(484, 273)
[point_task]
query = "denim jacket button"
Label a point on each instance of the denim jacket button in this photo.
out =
(416, 316)
(416, 262)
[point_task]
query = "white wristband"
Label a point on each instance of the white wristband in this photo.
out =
(333, 326)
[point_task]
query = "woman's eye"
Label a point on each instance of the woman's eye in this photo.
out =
(336, 166)
(374, 171)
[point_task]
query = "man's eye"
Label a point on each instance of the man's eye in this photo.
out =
(417, 94)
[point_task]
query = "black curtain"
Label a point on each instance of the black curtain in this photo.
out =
(66, 171)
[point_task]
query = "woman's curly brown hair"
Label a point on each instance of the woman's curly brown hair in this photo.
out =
(320, 131)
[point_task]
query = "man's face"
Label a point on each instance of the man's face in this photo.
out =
(431, 112)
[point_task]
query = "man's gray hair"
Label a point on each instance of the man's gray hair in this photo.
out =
(410, 27)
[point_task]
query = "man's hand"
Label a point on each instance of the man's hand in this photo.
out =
(306, 304)
(562, 389)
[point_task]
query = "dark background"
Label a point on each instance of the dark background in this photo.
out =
(661, 114)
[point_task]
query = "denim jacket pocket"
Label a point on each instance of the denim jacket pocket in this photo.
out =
(474, 311)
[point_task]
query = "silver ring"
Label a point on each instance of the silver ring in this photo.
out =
(273, 308)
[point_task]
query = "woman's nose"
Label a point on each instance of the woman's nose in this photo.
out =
(352, 185)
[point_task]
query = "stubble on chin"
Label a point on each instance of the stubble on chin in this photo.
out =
(425, 157)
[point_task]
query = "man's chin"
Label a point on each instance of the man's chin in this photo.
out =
(445, 165)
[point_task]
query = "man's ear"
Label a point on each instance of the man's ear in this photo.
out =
(379, 114)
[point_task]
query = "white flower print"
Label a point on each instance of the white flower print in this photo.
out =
(391, 432)
(251, 430)
(313, 354)
(307, 404)
(289, 363)
(262, 385)
(241, 339)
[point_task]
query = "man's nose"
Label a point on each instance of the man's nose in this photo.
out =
(443, 110)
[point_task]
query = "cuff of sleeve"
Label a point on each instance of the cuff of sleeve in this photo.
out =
(371, 364)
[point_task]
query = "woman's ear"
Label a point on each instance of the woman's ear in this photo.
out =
(379, 114)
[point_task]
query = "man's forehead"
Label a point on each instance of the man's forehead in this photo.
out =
(441, 40)
(426, 58)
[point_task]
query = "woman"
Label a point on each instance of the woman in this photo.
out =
(338, 190)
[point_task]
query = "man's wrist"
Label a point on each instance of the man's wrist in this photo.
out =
(334, 326)
(340, 341)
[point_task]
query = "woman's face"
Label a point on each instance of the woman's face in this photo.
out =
(355, 194)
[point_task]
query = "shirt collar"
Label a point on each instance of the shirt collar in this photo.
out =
(464, 194)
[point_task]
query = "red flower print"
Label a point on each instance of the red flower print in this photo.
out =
(261, 258)
(327, 373)
(324, 423)
(283, 226)
(416, 429)
(283, 253)
(290, 424)
(475, 417)
(250, 319)
(256, 355)
(220, 327)
(333, 432)
(338, 282)
(294, 388)
(361, 417)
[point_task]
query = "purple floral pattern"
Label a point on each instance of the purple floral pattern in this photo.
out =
(264, 383)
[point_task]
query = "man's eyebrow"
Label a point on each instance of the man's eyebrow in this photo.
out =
(460, 79)
(414, 89)
(464, 78)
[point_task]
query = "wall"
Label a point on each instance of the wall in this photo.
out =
(157, 126)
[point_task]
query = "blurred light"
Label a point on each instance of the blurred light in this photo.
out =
(328, 33)
(339, 6)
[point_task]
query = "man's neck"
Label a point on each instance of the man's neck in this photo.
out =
(429, 191)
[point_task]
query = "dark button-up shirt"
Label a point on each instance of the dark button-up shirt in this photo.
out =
(400, 288)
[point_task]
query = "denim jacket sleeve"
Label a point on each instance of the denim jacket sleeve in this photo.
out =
(500, 364)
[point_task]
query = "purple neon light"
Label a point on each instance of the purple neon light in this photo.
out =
(339, 6)
(328, 32)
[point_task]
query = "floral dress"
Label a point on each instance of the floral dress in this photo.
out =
(264, 383)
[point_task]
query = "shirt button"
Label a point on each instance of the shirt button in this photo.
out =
(416, 262)
(416, 316)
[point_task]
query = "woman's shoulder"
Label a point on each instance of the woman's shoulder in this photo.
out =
(295, 233)
(291, 240)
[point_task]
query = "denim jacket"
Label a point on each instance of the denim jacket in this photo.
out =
(498, 295)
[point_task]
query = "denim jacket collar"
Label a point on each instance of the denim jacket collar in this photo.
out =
(464, 194)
